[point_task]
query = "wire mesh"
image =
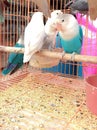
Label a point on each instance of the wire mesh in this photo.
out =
(89, 42)
(18, 16)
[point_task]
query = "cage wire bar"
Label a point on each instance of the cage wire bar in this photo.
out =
(18, 16)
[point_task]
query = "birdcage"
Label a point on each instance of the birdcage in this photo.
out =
(52, 97)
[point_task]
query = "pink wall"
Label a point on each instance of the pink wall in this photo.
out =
(89, 42)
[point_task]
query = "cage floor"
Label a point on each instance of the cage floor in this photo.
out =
(44, 101)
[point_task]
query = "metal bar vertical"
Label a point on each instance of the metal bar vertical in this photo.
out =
(86, 36)
(10, 23)
(3, 41)
(18, 6)
(0, 44)
(28, 1)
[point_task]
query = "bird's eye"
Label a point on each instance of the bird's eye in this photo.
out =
(57, 13)
(62, 20)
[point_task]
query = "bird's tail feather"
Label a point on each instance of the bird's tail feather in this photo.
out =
(9, 69)
(16, 68)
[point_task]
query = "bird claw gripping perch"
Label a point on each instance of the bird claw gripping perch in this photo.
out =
(63, 54)
(73, 56)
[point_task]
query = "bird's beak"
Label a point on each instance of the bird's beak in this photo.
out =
(59, 26)
(44, 6)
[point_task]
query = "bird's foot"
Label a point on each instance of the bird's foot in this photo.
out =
(63, 54)
(73, 56)
(26, 66)
(51, 48)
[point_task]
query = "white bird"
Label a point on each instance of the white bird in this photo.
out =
(50, 26)
(34, 36)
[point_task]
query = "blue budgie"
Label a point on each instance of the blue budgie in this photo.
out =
(70, 33)
(15, 60)
(70, 38)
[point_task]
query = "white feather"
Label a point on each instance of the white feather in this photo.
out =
(34, 35)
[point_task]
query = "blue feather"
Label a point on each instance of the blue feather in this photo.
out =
(15, 61)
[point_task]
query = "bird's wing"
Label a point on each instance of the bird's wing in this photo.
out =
(50, 27)
(34, 35)
(34, 46)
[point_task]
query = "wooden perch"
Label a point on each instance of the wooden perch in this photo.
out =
(11, 49)
(51, 54)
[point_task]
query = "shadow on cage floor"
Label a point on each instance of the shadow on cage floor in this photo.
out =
(44, 101)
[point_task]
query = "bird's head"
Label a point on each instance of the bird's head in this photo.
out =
(56, 13)
(54, 18)
(65, 21)
(67, 26)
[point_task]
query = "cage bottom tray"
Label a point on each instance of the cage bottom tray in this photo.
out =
(44, 101)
